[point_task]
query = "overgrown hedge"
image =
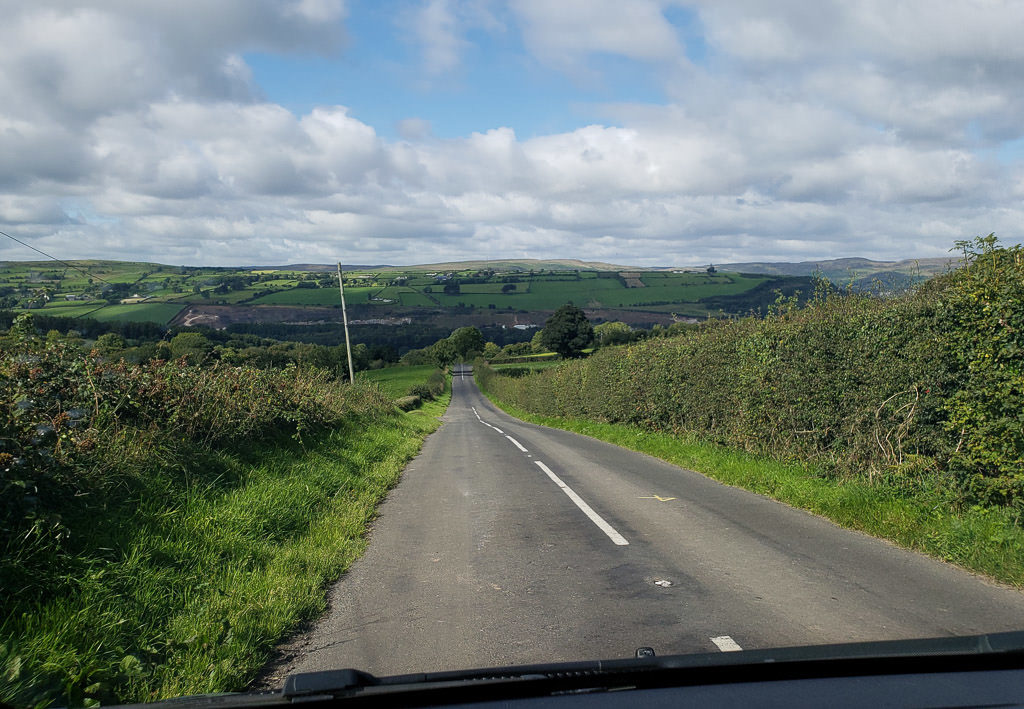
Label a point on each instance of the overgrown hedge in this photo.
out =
(432, 388)
(78, 433)
(925, 390)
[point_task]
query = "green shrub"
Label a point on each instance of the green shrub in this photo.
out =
(74, 427)
(408, 403)
(432, 388)
(162, 525)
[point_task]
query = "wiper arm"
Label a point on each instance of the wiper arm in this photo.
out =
(648, 670)
(979, 653)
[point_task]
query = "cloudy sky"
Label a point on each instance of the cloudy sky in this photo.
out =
(648, 132)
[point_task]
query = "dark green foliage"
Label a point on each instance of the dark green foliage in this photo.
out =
(466, 340)
(98, 459)
(443, 352)
(89, 327)
(920, 391)
(75, 427)
(191, 345)
(982, 318)
(758, 298)
(567, 331)
(110, 343)
(432, 388)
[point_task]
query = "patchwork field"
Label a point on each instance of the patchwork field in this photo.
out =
(144, 292)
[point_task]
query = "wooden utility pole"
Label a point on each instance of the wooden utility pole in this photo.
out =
(344, 319)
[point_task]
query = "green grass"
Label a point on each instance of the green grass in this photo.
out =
(545, 291)
(415, 298)
(540, 294)
(396, 381)
(984, 540)
(161, 313)
(488, 287)
(204, 585)
(316, 296)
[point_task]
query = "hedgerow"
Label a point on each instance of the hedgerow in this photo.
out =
(75, 426)
(924, 391)
(163, 524)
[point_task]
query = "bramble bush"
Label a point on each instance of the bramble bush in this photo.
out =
(80, 432)
(923, 391)
(432, 388)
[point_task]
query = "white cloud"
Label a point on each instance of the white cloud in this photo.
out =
(820, 130)
(565, 33)
(437, 29)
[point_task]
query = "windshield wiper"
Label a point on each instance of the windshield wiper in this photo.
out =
(979, 653)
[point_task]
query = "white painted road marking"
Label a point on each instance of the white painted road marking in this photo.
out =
(594, 517)
(515, 442)
(726, 644)
(498, 430)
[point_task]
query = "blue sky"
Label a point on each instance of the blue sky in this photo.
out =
(377, 75)
(653, 132)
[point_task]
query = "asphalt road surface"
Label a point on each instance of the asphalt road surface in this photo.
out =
(510, 543)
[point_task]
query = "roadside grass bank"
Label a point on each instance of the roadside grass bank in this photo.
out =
(188, 595)
(409, 385)
(163, 525)
(981, 539)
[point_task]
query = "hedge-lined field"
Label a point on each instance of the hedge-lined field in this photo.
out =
(162, 525)
(923, 393)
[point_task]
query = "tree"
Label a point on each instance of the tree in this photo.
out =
(491, 351)
(508, 287)
(451, 288)
(537, 342)
(110, 343)
(443, 352)
(613, 333)
(466, 340)
(192, 345)
(568, 331)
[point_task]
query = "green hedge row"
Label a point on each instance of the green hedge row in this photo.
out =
(924, 390)
(81, 434)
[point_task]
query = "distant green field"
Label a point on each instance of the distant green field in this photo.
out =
(63, 305)
(546, 294)
(488, 287)
(411, 298)
(397, 380)
(316, 296)
(72, 310)
(160, 313)
(172, 287)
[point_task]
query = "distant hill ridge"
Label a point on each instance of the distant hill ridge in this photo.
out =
(846, 269)
(839, 270)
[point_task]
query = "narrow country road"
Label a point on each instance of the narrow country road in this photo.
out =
(509, 543)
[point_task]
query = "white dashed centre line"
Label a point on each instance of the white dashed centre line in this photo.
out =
(515, 442)
(726, 644)
(498, 430)
(587, 510)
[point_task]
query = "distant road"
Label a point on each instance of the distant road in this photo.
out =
(512, 543)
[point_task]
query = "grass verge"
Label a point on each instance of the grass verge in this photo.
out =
(984, 540)
(396, 381)
(201, 587)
